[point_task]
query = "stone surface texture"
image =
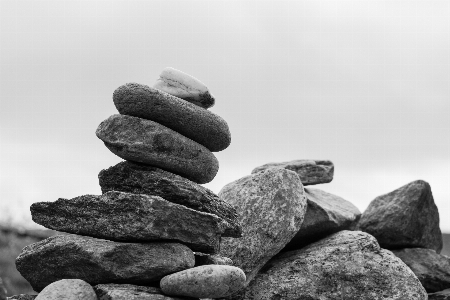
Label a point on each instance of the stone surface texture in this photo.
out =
(325, 214)
(184, 86)
(138, 178)
(119, 216)
(432, 269)
(22, 297)
(404, 218)
(190, 120)
(113, 291)
(211, 259)
(100, 261)
(208, 281)
(442, 295)
(310, 171)
(68, 289)
(148, 142)
(346, 265)
(271, 205)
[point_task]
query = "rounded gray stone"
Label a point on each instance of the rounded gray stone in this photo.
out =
(67, 289)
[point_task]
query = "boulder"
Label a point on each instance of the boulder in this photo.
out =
(404, 218)
(432, 269)
(184, 86)
(113, 291)
(310, 171)
(148, 142)
(442, 295)
(68, 289)
(208, 281)
(100, 261)
(346, 265)
(271, 205)
(190, 120)
(138, 178)
(119, 216)
(325, 214)
(22, 297)
(211, 259)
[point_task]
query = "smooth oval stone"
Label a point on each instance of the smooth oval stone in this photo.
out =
(188, 119)
(148, 142)
(208, 281)
(67, 289)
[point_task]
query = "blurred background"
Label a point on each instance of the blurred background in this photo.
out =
(365, 84)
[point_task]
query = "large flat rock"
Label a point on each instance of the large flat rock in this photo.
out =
(148, 142)
(271, 206)
(404, 218)
(113, 291)
(143, 179)
(122, 216)
(99, 261)
(347, 265)
(188, 119)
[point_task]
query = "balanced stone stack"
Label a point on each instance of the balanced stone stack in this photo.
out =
(154, 231)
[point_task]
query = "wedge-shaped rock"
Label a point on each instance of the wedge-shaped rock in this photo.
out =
(347, 265)
(151, 143)
(432, 269)
(100, 261)
(114, 291)
(68, 289)
(404, 218)
(325, 214)
(119, 216)
(188, 119)
(271, 206)
(211, 259)
(143, 179)
(184, 86)
(310, 171)
(442, 295)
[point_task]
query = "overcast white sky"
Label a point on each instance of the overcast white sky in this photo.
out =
(365, 84)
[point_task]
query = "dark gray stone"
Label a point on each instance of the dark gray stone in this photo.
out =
(442, 295)
(22, 297)
(113, 291)
(202, 259)
(190, 120)
(148, 142)
(2, 290)
(143, 179)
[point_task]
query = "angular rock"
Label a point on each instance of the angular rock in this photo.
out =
(113, 291)
(119, 216)
(442, 295)
(310, 171)
(208, 281)
(184, 86)
(271, 206)
(347, 265)
(325, 214)
(22, 297)
(148, 142)
(202, 259)
(190, 120)
(100, 261)
(68, 289)
(404, 218)
(432, 269)
(143, 179)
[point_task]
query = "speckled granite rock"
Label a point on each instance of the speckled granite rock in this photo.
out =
(184, 86)
(100, 261)
(22, 297)
(188, 119)
(208, 281)
(310, 171)
(211, 259)
(432, 269)
(68, 289)
(143, 179)
(346, 265)
(119, 216)
(271, 206)
(325, 214)
(404, 218)
(148, 142)
(442, 295)
(113, 291)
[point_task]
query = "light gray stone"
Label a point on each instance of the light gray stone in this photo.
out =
(113, 291)
(67, 289)
(22, 297)
(442, 295)
(2, 290)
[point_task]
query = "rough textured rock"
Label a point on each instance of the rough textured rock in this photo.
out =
(208, 259)
(442, 295)
(100, 261)
(271, 206)
(184, 86)
(404, 218)
(2, 290)
(130, 292)
(68, 289)
(22, 297)
(208, 281)
(325, 214)
(119, 216)
(188, 119)
(432, 269)
(310, 171)
(347, 265)
(143, 179)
